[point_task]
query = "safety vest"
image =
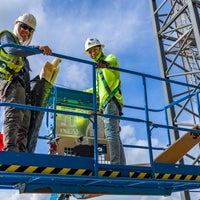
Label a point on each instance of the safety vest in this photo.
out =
(111, 94)
(9, 64)
(107, 78)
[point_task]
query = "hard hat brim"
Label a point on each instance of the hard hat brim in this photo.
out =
(86, 50)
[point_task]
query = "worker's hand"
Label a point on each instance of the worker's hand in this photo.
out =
(92, 113)
(45, 50)
(101, 64)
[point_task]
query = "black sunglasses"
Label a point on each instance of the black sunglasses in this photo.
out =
(26, 27)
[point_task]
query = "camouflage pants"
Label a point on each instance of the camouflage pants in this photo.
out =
(16, 121)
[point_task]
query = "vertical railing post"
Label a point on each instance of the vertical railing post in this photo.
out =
(95, 121)
(54, 107)
(148, 127)
(168, 130)
(198, 105)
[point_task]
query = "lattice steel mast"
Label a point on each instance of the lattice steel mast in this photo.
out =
(176, 26)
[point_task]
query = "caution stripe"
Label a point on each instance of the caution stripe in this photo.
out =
(61, 171)
(101, 173)
(109, 173)
(45, 170)
(165, 176)
(139, 175)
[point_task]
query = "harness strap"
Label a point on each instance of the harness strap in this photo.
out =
(111, 95)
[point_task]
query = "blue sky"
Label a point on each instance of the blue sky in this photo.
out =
(124, 27)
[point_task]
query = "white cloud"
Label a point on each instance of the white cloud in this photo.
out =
(136, 155)
(174, 196)
(14, 195)
(76, 76)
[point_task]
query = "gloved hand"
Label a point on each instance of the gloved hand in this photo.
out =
(101, 64)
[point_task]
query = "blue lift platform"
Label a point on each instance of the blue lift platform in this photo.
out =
(45, 173)
(36, 173)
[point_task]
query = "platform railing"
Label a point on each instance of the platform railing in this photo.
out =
(150, 125)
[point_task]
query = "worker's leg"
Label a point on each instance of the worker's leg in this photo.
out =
(23, 132)
(12, 92)
(112, 131)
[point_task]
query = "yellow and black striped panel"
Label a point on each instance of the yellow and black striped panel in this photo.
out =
(87, 172)
(165, 176)
(139, 175)
(187, 177)
(45, 170)
(109, 173)
(53, 170)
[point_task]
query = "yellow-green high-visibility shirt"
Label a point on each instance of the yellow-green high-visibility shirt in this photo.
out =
(112, 77)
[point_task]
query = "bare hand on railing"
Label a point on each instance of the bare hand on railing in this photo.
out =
(45, 50)
(92, 113)
(101, 64)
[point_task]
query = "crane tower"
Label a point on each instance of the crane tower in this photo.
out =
(177, 33)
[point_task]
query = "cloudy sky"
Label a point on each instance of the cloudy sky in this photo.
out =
(125, 28)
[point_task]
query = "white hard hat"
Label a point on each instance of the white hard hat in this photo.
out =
(92, 42)
(27, 19)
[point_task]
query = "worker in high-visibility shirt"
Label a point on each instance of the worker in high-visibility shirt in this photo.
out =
(15, 81)
(109, 96)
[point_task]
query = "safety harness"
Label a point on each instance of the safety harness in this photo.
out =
(9, 65)
(111, 94)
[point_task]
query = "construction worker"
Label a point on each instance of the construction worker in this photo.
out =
(109, 96)
(15, 81)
